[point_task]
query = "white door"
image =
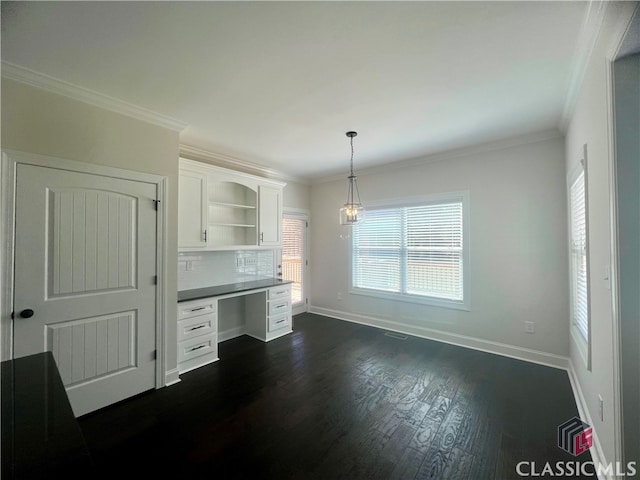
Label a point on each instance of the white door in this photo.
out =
(294, 258)
(85, 257)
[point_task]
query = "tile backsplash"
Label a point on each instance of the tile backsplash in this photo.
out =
(207, 269)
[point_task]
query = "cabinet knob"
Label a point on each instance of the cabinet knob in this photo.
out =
(27, 313)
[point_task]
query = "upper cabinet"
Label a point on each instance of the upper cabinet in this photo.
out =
(192, 209)
(221, 209)
(270, 215)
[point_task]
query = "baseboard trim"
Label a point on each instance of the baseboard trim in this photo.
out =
(597, 454)
(503, 349)
(231, 333)
(171, 377)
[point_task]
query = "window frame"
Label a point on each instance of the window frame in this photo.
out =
(583, 344)
(434, 199)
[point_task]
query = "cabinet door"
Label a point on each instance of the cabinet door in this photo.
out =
(192, 210)
(270, 213)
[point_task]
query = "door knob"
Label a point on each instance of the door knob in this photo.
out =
(27, 313)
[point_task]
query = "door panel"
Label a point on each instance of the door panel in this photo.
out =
(91, 241)
(294, 258)
(192, 205)
(85, 257)
(270, 215)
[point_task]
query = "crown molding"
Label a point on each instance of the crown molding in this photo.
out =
(451, 154)
(591, 25)
(60, 87)
(226, 161)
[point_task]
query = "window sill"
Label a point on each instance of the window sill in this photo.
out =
(582, 346)
(398, 297)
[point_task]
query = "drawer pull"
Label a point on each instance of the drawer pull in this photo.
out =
(284, 305)
(196, 309)
(197, 328)
(197, 348)
(280, 321)
(279, 292)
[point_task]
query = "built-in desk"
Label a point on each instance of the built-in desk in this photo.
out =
(206, 316)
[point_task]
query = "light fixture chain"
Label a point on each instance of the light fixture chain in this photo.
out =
(351, 156)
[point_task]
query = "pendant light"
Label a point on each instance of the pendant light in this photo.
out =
(353, 210)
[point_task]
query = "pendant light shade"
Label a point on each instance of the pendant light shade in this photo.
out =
(352, 211)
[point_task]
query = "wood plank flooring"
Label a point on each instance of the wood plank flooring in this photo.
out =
(336, 400)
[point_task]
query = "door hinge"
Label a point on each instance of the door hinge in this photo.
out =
(306, 224)
(154, 355)
(155, 279)
(155, 204)
(306, 262)
(306, 300)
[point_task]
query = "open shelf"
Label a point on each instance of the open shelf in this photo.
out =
(231, 205)
(232, 209)
(239, 225)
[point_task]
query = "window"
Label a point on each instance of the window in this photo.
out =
(579, 270)
(414, 252)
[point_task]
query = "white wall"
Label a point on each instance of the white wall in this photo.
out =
(589, 125)
(296, 196)
(518, 249)
(37, 121)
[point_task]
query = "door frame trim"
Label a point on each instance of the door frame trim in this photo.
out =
(622, 28)
(8, 168)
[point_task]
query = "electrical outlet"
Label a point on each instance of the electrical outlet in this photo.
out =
(601, 408)
(339, 295)
(529, 327)
(189, 265)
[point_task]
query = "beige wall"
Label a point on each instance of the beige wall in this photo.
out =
(297, 196)
(40, 122)
(590, 125)
(518, 254)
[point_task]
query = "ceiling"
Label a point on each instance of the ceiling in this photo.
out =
(279, 83)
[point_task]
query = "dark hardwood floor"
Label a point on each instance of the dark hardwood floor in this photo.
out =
(338, 400)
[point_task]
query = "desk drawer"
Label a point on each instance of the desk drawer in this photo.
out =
(196, 326)
(197, 347)
(196, 308)
(279, 292)
(279, 306)
(281, 321)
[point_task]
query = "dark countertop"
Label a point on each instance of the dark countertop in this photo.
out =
(218, 290)
(41, 437)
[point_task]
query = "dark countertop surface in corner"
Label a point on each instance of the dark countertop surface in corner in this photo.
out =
(217, 290)
(41, 437)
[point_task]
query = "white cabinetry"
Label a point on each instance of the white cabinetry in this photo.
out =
(192, 209)
(232, 212)
(269, 316)
(279, 320)
(270, 215)
(230, 209)
(197, 333)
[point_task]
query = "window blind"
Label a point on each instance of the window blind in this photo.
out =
(411, 250)
(579, 280)
(293, 241)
